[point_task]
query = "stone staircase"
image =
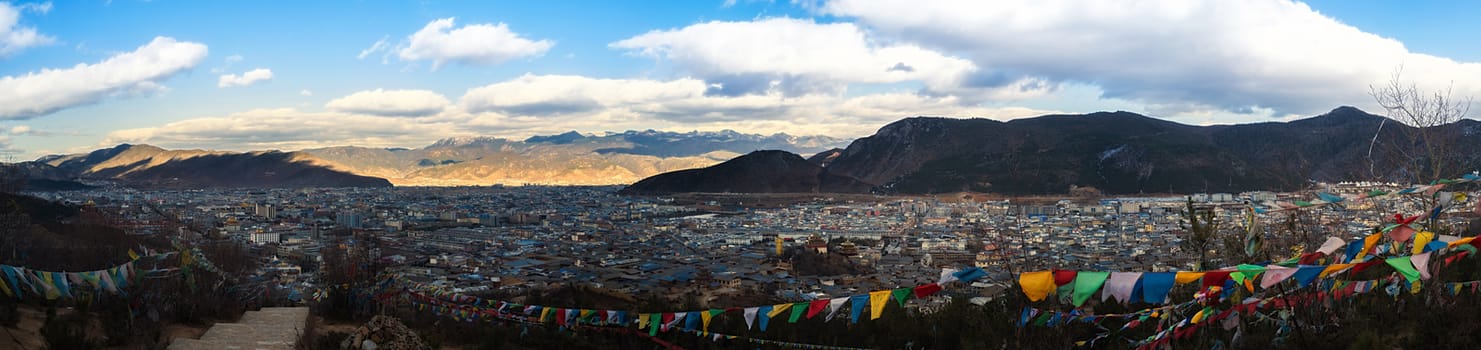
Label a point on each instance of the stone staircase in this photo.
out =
(272, 328)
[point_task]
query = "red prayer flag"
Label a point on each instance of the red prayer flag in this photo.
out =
(816, 306)
(927, 290)
(1364, 266)
(1215, 278)
(1063, 277)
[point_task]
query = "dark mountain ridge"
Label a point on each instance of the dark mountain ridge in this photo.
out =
(1128, 153)
(756, 172)
(147, 166)
(1123, 152)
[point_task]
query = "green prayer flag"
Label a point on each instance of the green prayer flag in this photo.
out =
(901, 295)
(1292, 262)
(1065, 292)
(1087, 283)
(1043, 319)
(1404, 266)
(653, 322)
(797, 310)
(1250, 269)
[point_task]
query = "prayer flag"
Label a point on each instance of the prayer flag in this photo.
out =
(778, 309)
(1156, 285)
(1421, 240)
(816, 306)
(1404, 266)
(1331, 245)
(1422, 263)
(877, 301)
(1333, 268)
(763, 315)
(1063, 277)
(900, 295)
(750, 314)
(1120, 285)
(970, 274)
(797, 310)
(1215, 278)
(927, 290)
(1185, 277)
(1086, 284)
(833, 306)
(1274, 274)
(1036, 285)
(856, 303)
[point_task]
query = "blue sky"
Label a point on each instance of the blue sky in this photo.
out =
(80, 75)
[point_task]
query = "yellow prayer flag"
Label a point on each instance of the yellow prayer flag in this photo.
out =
(1421, 239)
(1185, 277)
(705, 317)
(1368, 244)
(49, 283)
(1334, 268)
(778, 309)
(877, 301)
(1459, 242)
(1036, 285)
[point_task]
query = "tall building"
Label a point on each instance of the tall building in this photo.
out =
(266, 210)
(349, 219)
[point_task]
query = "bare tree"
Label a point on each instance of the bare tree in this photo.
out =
(1202, 227)
(1427, 151)
(12, 178)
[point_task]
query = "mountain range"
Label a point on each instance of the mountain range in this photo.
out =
(1119, 153)
(757, 172)
(1114, 152)
(565, 159)
(153, 167)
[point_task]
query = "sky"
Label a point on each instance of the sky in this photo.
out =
(82, 75)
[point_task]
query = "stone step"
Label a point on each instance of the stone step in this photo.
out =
(266, 329)
(229, 331)
(192, 344)
(269, 316)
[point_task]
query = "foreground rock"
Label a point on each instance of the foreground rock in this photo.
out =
(384, 333)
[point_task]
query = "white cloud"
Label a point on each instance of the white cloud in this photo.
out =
(796, 56)
(49, 90)
(544, 95)
(1273, 55)
(378, 46)
(13, 36)
(20, 130)
(549, 104)
(284, 129)
(305, 92)
(39, 7)
(554, 103)
(245, 79)
(7, 149)
(471, 44)
(407, 103)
